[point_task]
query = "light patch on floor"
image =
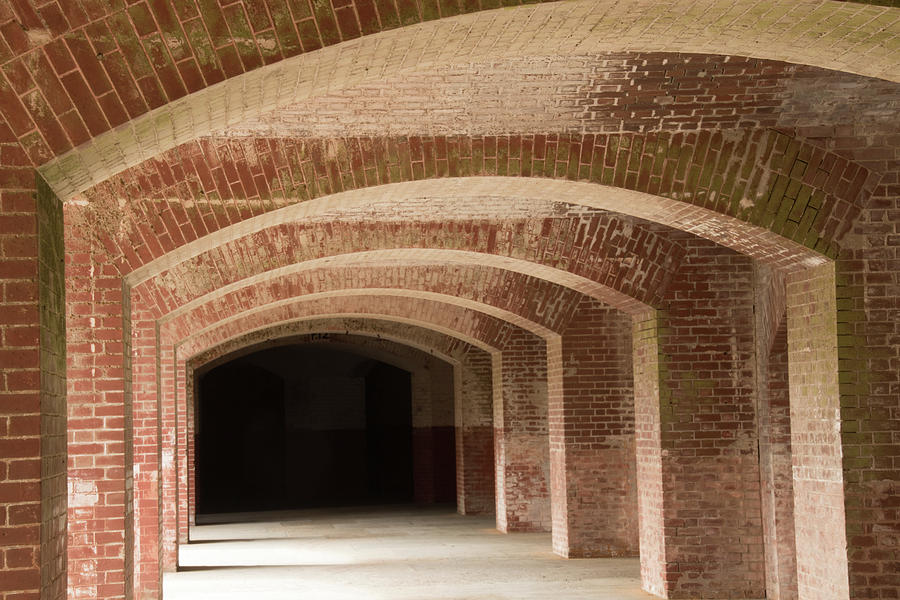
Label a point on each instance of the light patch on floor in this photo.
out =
(386, 554)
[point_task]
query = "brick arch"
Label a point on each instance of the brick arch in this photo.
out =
(483, 331)
(619, 261)
(433, 402)
(439, 345)
(474, 395)
(462, 307)
(529, 302)
(761, 192)
(585, 27)
(446, 347)
(448, 267)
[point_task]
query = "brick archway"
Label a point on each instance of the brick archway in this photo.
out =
(587, 27)
(73, 107)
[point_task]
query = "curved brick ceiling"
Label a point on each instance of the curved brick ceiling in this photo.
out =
(860, 39)
(526, 301)
(603, 93)
(444, 347)
(588, 254)
(438, 260)
(478, 329)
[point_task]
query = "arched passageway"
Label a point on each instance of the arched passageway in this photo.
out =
(655, 241)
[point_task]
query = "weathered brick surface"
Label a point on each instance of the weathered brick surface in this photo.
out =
(762, 177)
(819, 520)
(475, 435)
(868, 323)
(99, 440)
(777, 488)
(521, 447)
(53, 423)
(854, 43)
(489, 291)
(649, 452)
(21, 387)
(146, 453)
(592, 433)
(32, 392)
(516, 246)
(681, 100)
(702, 481)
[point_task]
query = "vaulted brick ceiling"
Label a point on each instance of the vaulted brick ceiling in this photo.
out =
(431, 170)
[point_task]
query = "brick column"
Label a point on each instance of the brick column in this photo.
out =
(521, 448)
(592, 437)
(32, 390)
(181, 455)
(777, 491)
(819, 521)
(148, 525)
(168, 475)
(699, 487)
(191, 423)
(474, 435)
(99, 410)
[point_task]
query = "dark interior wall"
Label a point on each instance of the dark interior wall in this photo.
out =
(300, 426)
(240, 440)
(389, 432)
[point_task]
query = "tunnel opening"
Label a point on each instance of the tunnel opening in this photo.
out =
(310, 426)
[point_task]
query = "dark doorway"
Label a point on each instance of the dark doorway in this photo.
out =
(303, 426)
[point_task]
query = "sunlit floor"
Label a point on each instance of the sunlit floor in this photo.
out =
(386, 553)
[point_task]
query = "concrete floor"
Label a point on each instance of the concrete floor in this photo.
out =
(393, 553)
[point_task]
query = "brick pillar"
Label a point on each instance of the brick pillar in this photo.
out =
(521, 448)
(777, 491)
(819, 521)
(700, 486)
(191, 423)
(148, 526)
(168, 558)
(32, 390)
(181, 456)
(777, 472)
(648, 453)
(592, 437)
(474, 435)
(868, 330)
(99, 410)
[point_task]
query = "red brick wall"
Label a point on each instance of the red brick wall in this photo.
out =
(770, 167)
(868, 330)
(710, 483)
(32, 390)
(592, 437)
